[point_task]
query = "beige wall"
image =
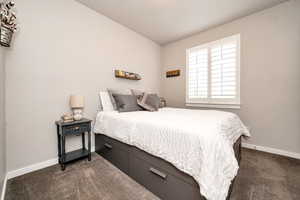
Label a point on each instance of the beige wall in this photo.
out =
(2, 121)
(63, 48)
(270, 73)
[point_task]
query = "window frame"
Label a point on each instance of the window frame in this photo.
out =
(213, 102)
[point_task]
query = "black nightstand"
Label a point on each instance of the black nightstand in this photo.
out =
(73, 128)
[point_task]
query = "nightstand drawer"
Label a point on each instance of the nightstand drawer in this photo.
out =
(76, 129)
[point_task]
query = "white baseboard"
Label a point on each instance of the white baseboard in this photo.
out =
(271, 150)
(32, 168)
(35, 167)
(54, 161)
(4, 188)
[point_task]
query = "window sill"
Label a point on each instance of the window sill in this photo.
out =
(206, 105)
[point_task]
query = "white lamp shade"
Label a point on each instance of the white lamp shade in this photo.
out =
(76, 101)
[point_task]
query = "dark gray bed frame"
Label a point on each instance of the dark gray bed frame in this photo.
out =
(156, 174)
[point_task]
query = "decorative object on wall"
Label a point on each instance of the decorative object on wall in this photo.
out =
(77, 105)
(173, 73)
(8, 24)
(127, 75)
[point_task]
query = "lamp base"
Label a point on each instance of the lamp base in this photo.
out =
(77, 114)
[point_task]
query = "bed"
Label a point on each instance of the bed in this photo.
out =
(175, 153)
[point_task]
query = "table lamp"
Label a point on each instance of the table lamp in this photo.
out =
(77, 105)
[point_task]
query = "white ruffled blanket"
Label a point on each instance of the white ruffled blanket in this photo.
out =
(197, 142)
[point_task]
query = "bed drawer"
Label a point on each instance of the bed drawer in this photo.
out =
(164, 165)
(161, 183)
(115, 152)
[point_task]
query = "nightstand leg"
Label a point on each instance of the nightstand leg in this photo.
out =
(63, 152)
(59, 144)
(89, 146)
(83, 140)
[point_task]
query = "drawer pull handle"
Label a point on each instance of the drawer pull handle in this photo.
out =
(158, 173)
(108, 146)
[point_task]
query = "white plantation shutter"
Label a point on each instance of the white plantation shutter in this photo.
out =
(198, 69)
(223, 71)
(213, 72)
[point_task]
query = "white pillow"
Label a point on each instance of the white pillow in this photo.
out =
(105, 101)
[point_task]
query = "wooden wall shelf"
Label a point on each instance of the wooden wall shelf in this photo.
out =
(172, 73)
(127, 75)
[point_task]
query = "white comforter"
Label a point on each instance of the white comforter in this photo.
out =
(197, 142)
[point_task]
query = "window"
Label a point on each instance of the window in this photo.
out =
(213, 74)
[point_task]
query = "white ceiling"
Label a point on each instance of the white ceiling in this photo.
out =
(164, 21)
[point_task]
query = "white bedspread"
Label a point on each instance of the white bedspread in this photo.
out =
(197, 142)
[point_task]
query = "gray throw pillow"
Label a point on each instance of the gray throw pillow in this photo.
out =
(163, 102)
(113, 91)
(149, 102)
(126, 103)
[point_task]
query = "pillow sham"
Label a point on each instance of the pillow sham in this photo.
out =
(105, 102)
(126, 103)
(149, 102)
(113, 91)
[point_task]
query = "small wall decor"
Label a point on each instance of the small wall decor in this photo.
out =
(127, 75)
(8, 24)
(172, 73)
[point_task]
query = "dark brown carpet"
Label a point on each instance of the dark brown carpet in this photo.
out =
(262, 176)
(83, 180)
